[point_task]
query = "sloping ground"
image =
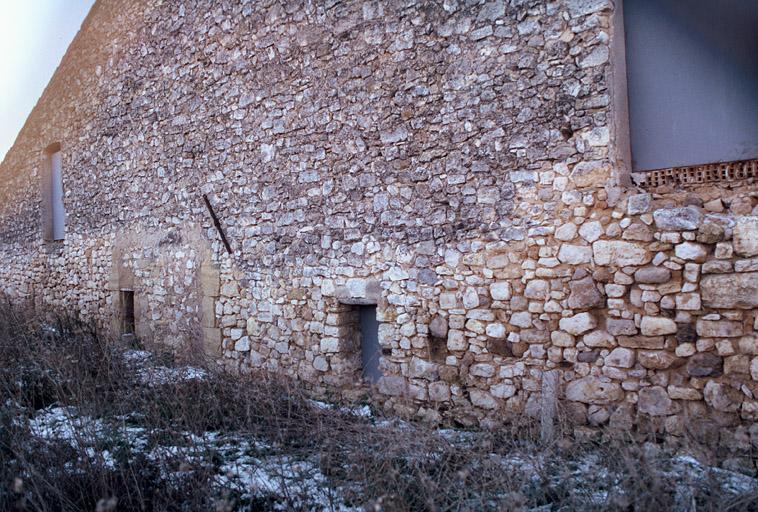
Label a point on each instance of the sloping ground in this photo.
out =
(88, 425)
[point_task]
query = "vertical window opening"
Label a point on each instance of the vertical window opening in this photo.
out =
(127, 313)
(52, 195)
(370, 348)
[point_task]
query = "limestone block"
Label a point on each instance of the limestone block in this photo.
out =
(619, 253)
(691, 251)
(482, 399)
(688, 301)
(678, 219)
(655, 401)
(392, 385)
(500, 290)
(658, 359)
(537, 289)
(496, 331)
(578, 324)
(620, 357)
(438, 326)
(456, 340)
(719, 328)
(704, 364)
(439, 392)
(745, 236)
(242, 344)
(574, 254)
(482, 370)
(503, 390)
(566, 232)
(584, 294)
(620, 326)
(591, 231)
(683, 393)
(730, 290)
(721, 397)
(421, 369)
(598, 338)
(657, 326)
(639, 204)
(593, 390)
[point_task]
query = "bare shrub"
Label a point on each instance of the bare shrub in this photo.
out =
(86, 426)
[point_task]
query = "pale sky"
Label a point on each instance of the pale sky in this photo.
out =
(34, 35)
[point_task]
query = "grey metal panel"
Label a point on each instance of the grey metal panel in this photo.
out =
(370, 349)
(692, 74)
(56, 183)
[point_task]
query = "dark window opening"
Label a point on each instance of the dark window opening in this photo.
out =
(371, 351)
(437, 349)
(54, 213)
(127, 312)
(692, 77)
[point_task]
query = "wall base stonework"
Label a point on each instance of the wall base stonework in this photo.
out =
(452, 164)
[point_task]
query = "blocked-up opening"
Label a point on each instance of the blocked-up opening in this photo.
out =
(370, 349)
(127, 312)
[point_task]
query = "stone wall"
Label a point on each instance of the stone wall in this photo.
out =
(452, 162)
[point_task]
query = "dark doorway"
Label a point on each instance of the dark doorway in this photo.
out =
(127, 313)
(370, 349)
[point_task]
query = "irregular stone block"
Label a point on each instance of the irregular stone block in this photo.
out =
(598, 338)
(657, 326)
(578, 324)
(704, 364)
(421, 369)
(730, 290)
(658, 359)
(678, 219)
(745, 236)
(438, 326)
(691, 251)
(482, 399)
(500, 290)
(652, 275)
(620, 357)
(649, 342)
(639, 204)
(537, 289)
(619, 253)
(620, 326)
(392, 385)
(719, 328)
(574, 254)
(721, 397)
(655, 401)
(584, 294)
(592, 390)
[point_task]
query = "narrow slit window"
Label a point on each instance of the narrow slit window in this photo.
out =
(370, 349)
(127, 312)
(52, 193)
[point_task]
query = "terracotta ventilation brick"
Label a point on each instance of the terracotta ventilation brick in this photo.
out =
(728, 173)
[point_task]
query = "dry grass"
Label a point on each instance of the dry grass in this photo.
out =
(194, 444)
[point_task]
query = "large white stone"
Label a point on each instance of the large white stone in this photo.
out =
(574, 254)
(657, 326)
(592, 390)
(619, 253)
(591, 231)
(500, 290)
(620, 357)
(691, 251)
(578, 324)
(745, 236)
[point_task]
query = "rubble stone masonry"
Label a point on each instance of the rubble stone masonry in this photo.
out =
(454, 162)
